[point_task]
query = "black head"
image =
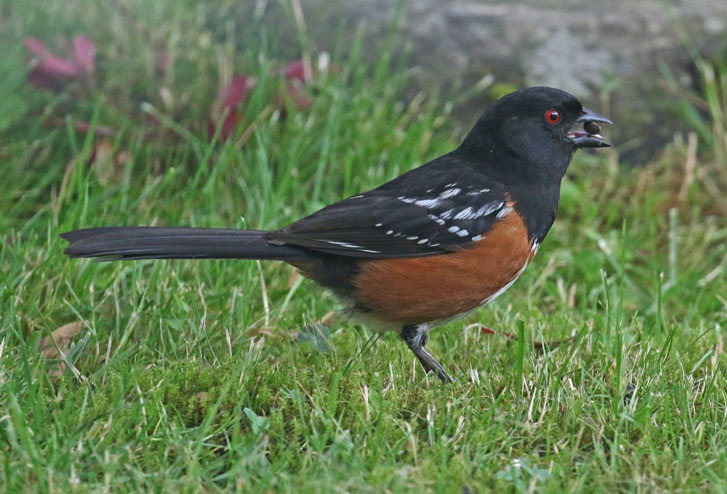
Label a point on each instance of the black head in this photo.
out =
(530, 135)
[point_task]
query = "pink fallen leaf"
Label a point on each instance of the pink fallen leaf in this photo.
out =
(54, 72)
(298, 74)
(36, 47)
(229, 124)
(237, 91)
(84, 53)
(229, 101)
(297, 70)
(298, 94)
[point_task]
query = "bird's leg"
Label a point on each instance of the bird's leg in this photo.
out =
(415, 337)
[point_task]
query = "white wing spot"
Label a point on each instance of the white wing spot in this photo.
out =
(477, 238)
(379, 224)
(447, 214)
(462, 233)
(453, 229)
(428, 203)
(488, 208)
(390, 232)
(425, 203)
(465, 214)
(414, 237)
(344, 244)
(423, 241)
(439, 221)
(504, 212)
(351, 246)
(449, 193)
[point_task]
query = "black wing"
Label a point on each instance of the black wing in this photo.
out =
(381, 224)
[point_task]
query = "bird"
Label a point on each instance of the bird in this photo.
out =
(428, 246)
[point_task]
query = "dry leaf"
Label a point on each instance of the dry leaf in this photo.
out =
(107, 161)
(262, 331)
(61, 336)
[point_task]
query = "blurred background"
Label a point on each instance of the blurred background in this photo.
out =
(649, 64)
(217, 376)
(637, 60)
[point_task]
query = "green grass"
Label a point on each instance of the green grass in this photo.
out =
(194, 376)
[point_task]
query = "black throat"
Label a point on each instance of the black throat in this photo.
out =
(531, 177)
(537, 205)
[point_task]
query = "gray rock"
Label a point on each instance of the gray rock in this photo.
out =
(580, 46)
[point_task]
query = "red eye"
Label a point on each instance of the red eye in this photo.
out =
(552, 116)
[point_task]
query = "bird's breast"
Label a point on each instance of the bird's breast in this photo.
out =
(426, 289)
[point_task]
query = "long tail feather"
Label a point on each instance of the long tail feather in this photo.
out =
(118, 243)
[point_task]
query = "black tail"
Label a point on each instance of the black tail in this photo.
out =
(118, 243)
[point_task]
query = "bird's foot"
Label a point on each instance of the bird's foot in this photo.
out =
(416, 338)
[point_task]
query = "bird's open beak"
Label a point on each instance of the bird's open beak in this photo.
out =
(590, 136)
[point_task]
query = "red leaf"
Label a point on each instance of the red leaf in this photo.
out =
(36, 47)
(229, 126)
(229, 100)
(237, 91)
(296, 70)
(84, 53)
(298, 94)
(54, 72)
(54, 66)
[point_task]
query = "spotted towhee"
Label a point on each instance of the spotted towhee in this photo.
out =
(434, 243)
